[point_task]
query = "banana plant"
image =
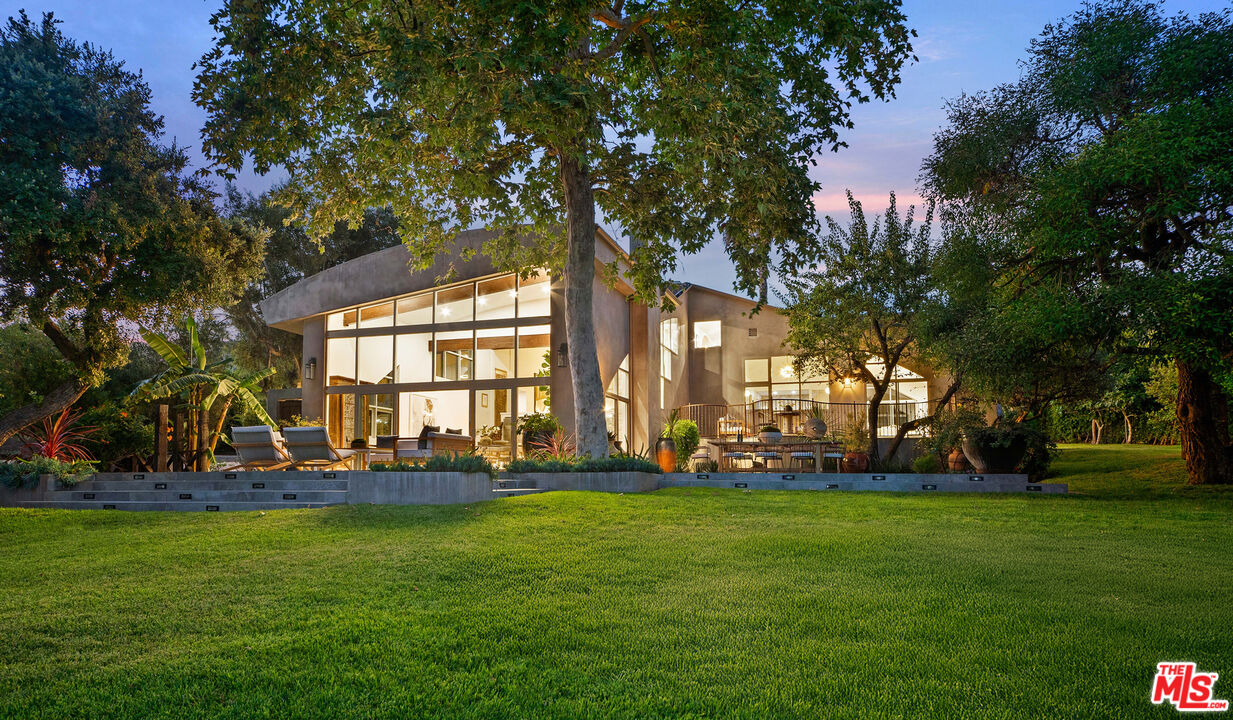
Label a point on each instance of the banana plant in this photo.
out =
(201, 385)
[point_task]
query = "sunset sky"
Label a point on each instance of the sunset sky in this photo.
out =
(963, 46)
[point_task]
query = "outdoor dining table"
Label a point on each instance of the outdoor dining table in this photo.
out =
(818, 447)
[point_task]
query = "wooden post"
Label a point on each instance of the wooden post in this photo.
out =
(161, 430)
(177, 441)
(203, 441)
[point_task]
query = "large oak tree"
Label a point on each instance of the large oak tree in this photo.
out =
(100, 225)
(1106, 171)
(679, 120)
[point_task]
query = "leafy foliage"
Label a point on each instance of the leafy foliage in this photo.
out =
(100, 224)
(122, 430)
(464, 463)
(61, 438)
(291, 255)
(207, 390)
(615, 463)
(538, 423)
(678, 120)
(23, 473)
(557, 446)
(1102, 181)
(32, 366)
(864, 312)
(687, 437)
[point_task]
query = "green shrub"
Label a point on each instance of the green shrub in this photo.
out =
(1040, 449)
(20, 473)
(121, 431)
(544, 423)
(441, 463)
(927, 464)
(687, 438)
(608, 464)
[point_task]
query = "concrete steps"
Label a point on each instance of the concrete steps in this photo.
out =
(509, 483)
(319, 497)
(290, 484)
(189, 506)
(204, 492)
(515, 492)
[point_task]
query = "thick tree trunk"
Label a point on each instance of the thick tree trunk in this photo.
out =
(875, 403)
(203, 441)
(218, 427)
(1202, 415)
(911, 425)
(53, 403)
(579, 318)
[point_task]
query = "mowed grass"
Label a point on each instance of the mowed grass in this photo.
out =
(682, 603)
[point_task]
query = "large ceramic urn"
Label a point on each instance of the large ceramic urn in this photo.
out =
(665, 454)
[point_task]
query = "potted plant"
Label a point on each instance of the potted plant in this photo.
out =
(537, 430)
(855, 441)
(665, 446)
(944, 439)
(815, 422)
(770, 434)
(998, 448)
(489, 435)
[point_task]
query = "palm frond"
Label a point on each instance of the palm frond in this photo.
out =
(169, 387)
(166, 349)
(253, 405)
(194, 342)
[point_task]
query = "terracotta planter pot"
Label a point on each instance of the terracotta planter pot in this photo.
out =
(957, 461)
(665, 454)
(855, 462)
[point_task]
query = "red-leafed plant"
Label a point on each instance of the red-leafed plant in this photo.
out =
(557, 446)
(60, 438)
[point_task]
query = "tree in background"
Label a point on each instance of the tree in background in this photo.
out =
(1106, 171)
(32, 367)
(207, 390)
(291, 255)
(863, 312)
(99, 224)
(1019, 356)
(679, 120)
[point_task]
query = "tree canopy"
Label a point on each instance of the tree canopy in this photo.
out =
(291, 255)
(100, 225)
(1104, 172)
(864, 311)
(679, 120)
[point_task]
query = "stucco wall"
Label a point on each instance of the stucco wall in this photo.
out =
(717, 374)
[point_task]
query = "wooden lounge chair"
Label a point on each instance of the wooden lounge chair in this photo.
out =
(260, 447)
(310, 448)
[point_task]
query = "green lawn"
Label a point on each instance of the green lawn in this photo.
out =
(682, 603)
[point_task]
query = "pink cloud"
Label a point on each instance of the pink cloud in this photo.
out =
(835, 204)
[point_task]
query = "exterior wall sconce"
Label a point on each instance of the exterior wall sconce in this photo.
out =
(310, 369)
(847, 382)
(562, 354)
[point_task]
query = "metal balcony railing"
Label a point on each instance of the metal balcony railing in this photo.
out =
(789, 416)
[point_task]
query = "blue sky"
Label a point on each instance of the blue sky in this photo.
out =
(963, 46)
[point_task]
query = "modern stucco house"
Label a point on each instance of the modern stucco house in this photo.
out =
(388, 350)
